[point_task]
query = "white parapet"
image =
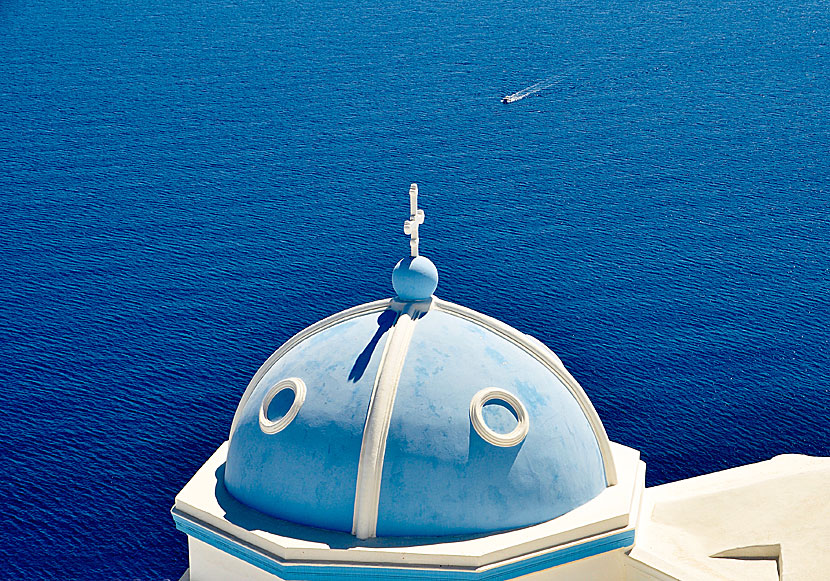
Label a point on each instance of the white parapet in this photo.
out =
(762, 522)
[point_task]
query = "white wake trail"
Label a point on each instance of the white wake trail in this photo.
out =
(555, 80)
(533, 89)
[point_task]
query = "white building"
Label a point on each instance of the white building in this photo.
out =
(412, 438)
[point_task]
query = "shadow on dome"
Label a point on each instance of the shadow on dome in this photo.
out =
(385, 321)
(250, 519)
(484, 458)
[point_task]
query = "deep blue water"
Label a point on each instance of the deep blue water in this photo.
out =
(185, 185)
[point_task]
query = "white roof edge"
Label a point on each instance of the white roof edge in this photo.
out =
(783, 466)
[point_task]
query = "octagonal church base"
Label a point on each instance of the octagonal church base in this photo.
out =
(228, 540)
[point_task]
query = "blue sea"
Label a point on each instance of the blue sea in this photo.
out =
(184, 185)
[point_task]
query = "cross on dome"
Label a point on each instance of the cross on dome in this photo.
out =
(416, 218)
(415, 277)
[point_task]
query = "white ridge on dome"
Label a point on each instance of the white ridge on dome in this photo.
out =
(416, 218)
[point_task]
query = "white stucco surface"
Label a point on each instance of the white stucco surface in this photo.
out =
(210, 564)
(772, 518)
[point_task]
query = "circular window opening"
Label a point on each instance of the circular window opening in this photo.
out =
(499, 417)
(281, 405)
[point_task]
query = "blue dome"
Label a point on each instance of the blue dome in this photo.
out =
(386, 421)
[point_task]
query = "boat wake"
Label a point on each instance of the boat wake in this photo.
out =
(555, 80)
(532, 89)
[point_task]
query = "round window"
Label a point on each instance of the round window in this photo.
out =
(281, 405)
(499, 417)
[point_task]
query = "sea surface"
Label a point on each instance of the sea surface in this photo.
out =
(184, 185)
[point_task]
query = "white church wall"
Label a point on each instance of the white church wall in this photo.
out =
(210, 564)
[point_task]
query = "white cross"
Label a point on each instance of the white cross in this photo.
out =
(416, 218)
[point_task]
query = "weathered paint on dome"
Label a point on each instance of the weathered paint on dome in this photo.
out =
(440, 477)
(306, 473)
(434, 473)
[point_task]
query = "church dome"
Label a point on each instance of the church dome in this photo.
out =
(415, 417)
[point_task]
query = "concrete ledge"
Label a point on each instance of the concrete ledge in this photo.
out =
(326, 571)
(763, 522)
(204, 507)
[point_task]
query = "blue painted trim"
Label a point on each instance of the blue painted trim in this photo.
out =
(307, 572)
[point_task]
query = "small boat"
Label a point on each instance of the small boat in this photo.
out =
(508, 99)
